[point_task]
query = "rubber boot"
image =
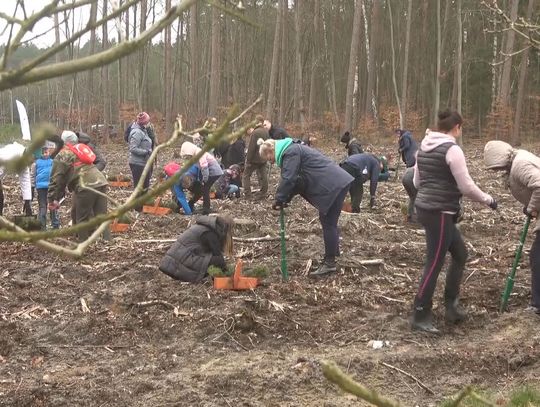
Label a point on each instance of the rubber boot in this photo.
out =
(328, 266)
(454, 312)
(423, 321)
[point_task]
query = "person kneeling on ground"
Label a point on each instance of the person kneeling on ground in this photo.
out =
(204, 244)
(190, 181)
(384, 175)
(362, 167)
(210, 170)
(352, 146)
(523, 170)
(227, 185)
(319, 180)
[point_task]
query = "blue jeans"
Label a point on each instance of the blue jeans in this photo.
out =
(233, 190)
(42, 202)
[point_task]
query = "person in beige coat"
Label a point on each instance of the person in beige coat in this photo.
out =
(523, 169)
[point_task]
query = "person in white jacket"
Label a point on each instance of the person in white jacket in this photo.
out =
(9, 152)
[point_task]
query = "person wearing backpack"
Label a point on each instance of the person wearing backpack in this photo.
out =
(41, 173)
(73, 167)
(100, 161)
(141, 146)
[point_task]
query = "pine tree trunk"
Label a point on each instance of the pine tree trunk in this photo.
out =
(274, 66)
(353, 55)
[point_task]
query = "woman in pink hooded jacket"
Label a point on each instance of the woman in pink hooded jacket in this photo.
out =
(210, 170)
(442, 178)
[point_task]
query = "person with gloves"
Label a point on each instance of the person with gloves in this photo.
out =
(523, 171)
(100, 161)
(10, 152)
(141, 146)
(319, 180)
(206, 243)
(210, 172)
(352, 146)
(73, 167)
(362, 167)
(442, 178)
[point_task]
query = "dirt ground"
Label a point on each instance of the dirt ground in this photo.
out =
(147, 340)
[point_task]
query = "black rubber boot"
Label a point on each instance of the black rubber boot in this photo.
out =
(328, 266)
(423, 321)
(454, 312)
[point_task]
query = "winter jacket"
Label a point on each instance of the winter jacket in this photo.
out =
(452, 163)
(364, 167)
(408, 148)
(311, 174)
(9, 152)
(277, 133)
(100, 161)
(207, 163)
(523, 170)
(189, 257)
(253, 156)
(354, 147)
(42, 171)
(223, 183)
(140, 145)
(68, 171)
(233, 153)
(178, 190)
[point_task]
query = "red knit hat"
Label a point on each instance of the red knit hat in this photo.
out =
(143, 118)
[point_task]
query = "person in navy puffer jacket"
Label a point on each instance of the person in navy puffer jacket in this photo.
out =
(41, 175)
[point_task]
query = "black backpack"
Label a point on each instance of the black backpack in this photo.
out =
(126, 133)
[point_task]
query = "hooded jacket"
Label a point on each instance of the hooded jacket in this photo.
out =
(455, 160)
(308, 172)
(189, 257)
(140, 145)
(253, 156)
(207, 163)
(408, 148)
(178, 191)
(364, 167)
(278, 133)
(523, 170)
(100, 161)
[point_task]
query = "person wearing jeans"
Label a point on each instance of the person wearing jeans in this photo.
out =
(441, 177)
(319, 180)
(140, 149)
(523, 171)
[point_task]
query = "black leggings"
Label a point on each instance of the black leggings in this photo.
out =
(136, 172)
(329, 223)
(204, 191)
(1, 199)
(442, 236)
(534, 258)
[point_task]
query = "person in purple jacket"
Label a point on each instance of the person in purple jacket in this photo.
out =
(442, 178)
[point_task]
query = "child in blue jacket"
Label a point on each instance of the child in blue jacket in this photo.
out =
(187, 181)
(41, 176)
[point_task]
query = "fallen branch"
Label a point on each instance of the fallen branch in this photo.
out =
(346, 383)
(397, 369)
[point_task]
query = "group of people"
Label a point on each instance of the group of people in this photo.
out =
(436, 179)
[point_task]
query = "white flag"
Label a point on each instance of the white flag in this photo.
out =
(23, 118)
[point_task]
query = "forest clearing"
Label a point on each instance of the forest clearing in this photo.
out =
(184, 208)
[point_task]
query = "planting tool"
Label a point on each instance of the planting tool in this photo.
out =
(510, 279)
(284, 272)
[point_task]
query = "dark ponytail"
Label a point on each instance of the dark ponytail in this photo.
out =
(448, 119)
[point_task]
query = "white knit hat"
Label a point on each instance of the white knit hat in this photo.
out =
(69, 137)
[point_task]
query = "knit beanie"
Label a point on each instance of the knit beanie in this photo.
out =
(143, 118)
(346, 137)
(69, 137)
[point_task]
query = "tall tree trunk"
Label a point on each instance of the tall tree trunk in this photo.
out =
(58, 97)
(370, 106)
(282, 78)
(404, 82)
(437, 97)
(314, 59)
(401, 126)
(459, 55)
(298, 83)
(274, 66)
(90, 80)
(504, 91)
(516, 137)
(142, 94)
(105, 80)
(168, 85)
(215, 64)
(353, 56)
(331, 75)
(193, 60)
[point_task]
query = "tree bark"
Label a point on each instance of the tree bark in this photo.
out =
(105, 81)
(353, 55)
(370, 105)
(314, 59)
(142, 94)
(516, 135)
(504, 91)
(404, 82)
(168, 85)
(193, 93)
(274, 66)
(437, 96)
(394, 65)
(298, 83)
(215, 64)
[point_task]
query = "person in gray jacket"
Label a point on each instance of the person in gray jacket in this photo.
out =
(319, 180)
(204, 244)
(140, 149)
(523, 170)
